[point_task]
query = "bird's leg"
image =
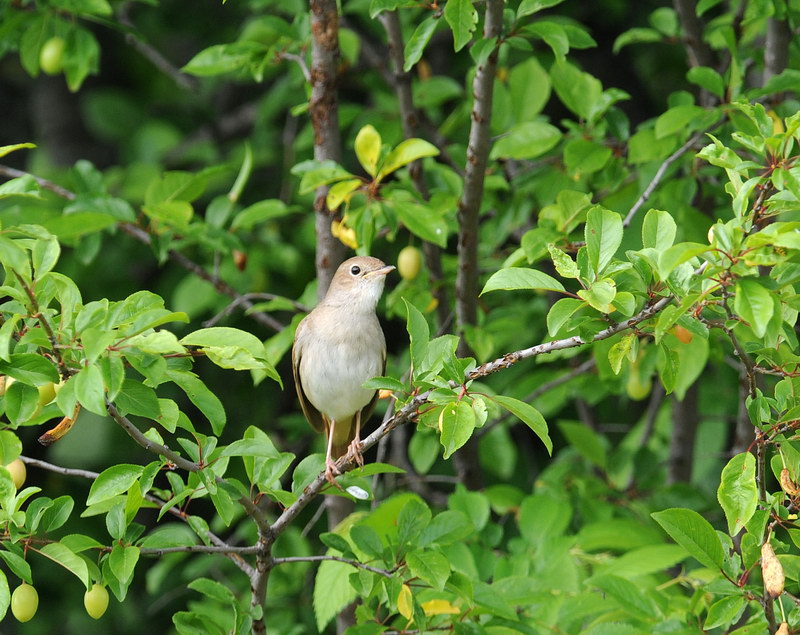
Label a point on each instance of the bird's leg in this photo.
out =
(354, 449)
(331, 471)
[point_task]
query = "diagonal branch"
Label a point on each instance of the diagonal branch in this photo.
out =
(698, 51)
(659, 175)
(409, 411)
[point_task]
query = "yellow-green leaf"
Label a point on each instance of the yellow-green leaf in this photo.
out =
(368, 149)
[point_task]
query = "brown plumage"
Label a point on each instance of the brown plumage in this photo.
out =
(337, 347)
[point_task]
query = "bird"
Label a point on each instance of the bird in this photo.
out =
(337, 347)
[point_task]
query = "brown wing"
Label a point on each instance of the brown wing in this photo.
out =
(313, 416)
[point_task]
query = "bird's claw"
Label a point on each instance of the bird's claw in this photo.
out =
(354, 452)
(331, 472)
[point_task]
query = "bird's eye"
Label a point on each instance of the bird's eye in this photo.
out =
(355, 270)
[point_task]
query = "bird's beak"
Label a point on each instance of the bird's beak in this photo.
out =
(380, 272)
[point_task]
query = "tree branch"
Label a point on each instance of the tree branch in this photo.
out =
(324, 110)
(352, 563)
(698, 51)
(469, 205)
(153, 55)
(224, 548)
(776, 48)
(662, 170)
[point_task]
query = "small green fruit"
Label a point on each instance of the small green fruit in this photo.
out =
(51, 57)
(47, 392)
(96, 601)
(409, 262)
(24, 602)
(18, 472)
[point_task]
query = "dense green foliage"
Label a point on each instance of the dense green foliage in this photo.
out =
(637, 310)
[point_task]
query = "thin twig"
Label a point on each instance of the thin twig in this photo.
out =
(133, 37)
(300, 61)
(546, 387)
(13, 173)
(224, 548)
(352, 563)
(299, 306)
(662, 169)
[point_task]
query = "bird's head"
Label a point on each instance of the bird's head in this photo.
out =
(358, 282)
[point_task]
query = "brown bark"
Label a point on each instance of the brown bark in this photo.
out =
(324, 110)
(469, 207)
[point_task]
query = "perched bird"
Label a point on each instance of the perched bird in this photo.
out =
(337, 347)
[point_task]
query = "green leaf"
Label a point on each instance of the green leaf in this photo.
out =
(72, 562)
(368, 149)
(586, 441)
(620, 350)
(422, 221)
(10, 447)
(70, 226)
(561, 312)
(29, 368)
(529, 7)
(406, 152)
(5, 594)
(630, 596)
(753, 303)
(19, 567)
(332, 591)
(738, 492)
(137, 399)
(462, 17)
(526, 140)
(529, 415)
(199, 394)
(554, 36)
(677, 119)
(416, 44)
(600, 295)
(122, 562)
(213, 589)
(419, 336)
(709, 79)
(564, 264)
(724, 611)
(113, 481)
(694, 533)
(514, 278)
(89, 389)
(258, 213)
(456, 423)
(658, 230)
(430, 566)
(603, 237)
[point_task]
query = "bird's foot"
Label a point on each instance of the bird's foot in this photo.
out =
(331, 472)
(354, 452)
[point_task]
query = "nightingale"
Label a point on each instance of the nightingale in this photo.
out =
(337, 347)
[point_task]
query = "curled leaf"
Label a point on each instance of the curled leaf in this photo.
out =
(771, 571)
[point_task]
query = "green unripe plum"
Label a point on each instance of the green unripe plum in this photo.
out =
(24, 602)
(96, 601)
(18, 472)
(47, 392)
(51, 57)
(409, 262)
